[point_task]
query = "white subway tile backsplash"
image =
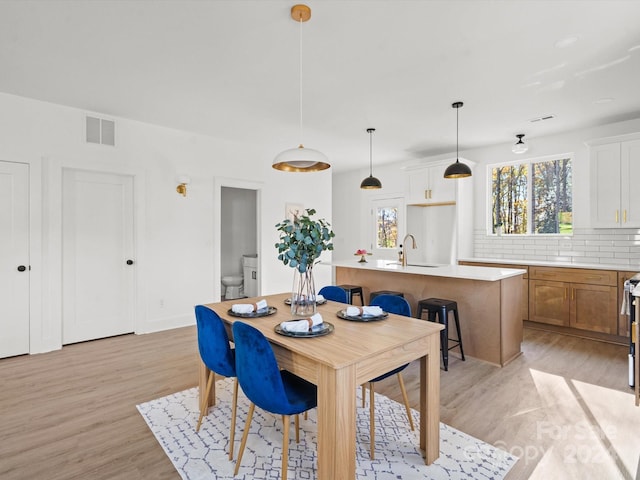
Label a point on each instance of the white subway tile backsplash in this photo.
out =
(608, 246)
(605, 243)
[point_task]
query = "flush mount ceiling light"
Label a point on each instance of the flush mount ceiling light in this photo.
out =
(371, 182)
(520, 146)
(301, 159)
(457, 169)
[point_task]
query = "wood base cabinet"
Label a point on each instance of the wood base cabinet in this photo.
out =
(525, 281)
(587, 303)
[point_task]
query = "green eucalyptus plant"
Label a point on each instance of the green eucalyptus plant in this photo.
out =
(303, 240)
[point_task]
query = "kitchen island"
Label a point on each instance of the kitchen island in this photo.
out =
(488, 299)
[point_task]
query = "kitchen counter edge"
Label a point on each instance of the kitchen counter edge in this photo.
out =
(540, 263)
(488, 274)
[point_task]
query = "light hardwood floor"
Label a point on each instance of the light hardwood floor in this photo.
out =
(563, 406)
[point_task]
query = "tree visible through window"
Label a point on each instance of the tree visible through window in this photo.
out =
(543, 188)
(387, 227)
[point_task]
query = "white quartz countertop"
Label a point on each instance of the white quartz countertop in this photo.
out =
(488, 274)
(538, 263)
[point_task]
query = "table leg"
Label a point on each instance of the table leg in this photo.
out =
(430, 401)
(336, 423)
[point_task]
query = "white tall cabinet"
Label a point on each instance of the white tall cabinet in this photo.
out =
(615, 170)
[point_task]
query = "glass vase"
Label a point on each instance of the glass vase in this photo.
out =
(303, 294)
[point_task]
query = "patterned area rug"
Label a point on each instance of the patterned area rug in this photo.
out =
(204, 455)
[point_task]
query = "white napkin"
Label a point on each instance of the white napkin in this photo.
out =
(248, 307)
(319, 298)
(301, 326)
(369, 311)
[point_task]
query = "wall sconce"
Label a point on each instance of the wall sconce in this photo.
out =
(182, 181)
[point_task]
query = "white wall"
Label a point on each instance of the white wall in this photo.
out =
(351, 215)
(176, 261)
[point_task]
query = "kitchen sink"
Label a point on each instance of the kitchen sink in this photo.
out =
(427, 265)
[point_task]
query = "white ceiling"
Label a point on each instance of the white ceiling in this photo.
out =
(230, 69)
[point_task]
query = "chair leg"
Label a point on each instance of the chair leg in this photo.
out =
(363, 394)
(457, 319)
(232, 433)
(285, 445)
(247, 425)
(372, 422)
(406, 399)
(204, 406)
(297, 422)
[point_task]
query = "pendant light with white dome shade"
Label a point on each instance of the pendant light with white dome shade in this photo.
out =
(301, 159)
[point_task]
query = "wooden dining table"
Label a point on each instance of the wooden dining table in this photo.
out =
(354, 353)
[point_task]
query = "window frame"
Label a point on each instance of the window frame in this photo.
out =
(385, 201)
(529, 162)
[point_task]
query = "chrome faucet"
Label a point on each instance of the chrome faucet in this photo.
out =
(404, 246)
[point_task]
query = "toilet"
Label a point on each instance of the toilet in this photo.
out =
(233, 286)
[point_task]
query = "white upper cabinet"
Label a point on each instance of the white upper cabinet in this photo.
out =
(614, 168)
(427, 185)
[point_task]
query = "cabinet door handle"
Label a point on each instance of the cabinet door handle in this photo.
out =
(565, 293)
(573, 294)
(616, 216)
(624, 215)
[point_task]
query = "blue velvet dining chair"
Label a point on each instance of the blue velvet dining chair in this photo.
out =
(265, 385)
(335, 294)
(399, 306)
(219, 358)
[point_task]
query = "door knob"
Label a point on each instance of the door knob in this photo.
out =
(21, 268)
(129, 262)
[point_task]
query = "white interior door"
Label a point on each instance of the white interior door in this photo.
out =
(97, 255)
(14, 259)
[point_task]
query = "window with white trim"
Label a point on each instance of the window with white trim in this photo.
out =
(531, 197)
(387, 219)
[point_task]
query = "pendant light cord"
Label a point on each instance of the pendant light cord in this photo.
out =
(457, 132)
(371, 152)
(300, 83)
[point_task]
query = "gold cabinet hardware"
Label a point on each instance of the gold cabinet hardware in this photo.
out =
(616, 216)
(624, 215)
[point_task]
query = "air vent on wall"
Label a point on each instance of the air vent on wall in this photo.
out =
(539, 119)
(101, 131)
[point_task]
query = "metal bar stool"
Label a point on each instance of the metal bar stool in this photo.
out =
(351, 291)
(442, 308)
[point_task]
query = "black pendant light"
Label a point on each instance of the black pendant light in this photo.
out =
(371, 182)
(457, 169)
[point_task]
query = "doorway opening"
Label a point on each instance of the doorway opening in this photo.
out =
(239, 262)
